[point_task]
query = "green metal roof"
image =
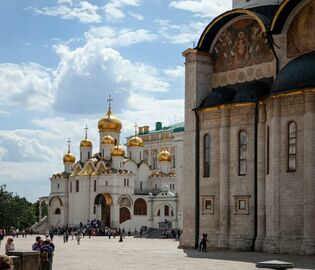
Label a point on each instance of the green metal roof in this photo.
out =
(179, 127)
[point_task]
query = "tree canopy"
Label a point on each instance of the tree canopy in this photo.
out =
(16, 211)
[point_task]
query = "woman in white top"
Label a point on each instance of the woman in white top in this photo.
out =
(9, 246)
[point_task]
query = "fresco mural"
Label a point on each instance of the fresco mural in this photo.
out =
(301, 34)
(241, 44)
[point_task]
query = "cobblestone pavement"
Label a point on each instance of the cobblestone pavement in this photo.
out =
(103, 253)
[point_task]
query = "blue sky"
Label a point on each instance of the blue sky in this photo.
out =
(59, 60)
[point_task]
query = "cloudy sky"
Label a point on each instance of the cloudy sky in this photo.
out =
(59, 61)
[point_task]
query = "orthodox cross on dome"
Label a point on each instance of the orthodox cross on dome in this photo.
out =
(69, 145)
(136, 127)
(86, 131)
(109, 101)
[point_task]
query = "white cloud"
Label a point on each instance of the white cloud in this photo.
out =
(28, 85)
(143, 109)
(89, 73)
(65, 2)
(83, 11)
(175, 73)
(203, 7)
(137, 16)
(186, 34)
(114, 37)
(114, 8)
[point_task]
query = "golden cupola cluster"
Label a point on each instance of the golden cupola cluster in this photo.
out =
(108, 140)
(118, 151)
(164, 155)
(109, 123)
(135, 141)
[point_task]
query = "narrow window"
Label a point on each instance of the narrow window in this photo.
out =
(268, 151)
(103, 153)
(140, 156)
(174, 161)
(206, 155)
(166, 210)
(94, 185)
(159, 213)
(80, 155)
(58, 185)
(89, 154)
(292, 147)
(115, 141)
(124, 182)
(94, 209)
(106, 183)
(242, 152)
(70, 186)
(127, 182)
(140, 185)
(77, 185)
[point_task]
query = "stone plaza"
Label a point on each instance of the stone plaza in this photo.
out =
(134, 253)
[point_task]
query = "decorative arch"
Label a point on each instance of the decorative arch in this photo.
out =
(55, 197)
(125, 200)
(280, 18)
(140, 207)
(158, 208)
(215, 26)
(103, 199)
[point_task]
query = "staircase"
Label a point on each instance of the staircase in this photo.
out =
(40, 226)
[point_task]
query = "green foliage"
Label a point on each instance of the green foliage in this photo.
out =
(15, 211)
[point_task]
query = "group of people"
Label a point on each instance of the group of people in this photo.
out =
(46, 250)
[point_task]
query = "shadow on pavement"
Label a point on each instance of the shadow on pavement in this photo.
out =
(303, 262)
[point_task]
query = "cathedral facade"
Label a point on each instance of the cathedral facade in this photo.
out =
(122, 188)
(249, 140)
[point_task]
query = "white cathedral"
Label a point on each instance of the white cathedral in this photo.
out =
(123, 190)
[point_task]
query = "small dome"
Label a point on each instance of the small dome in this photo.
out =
(135, 141)
(108, 140)
(118, 151)
(109, 123)
(165, 156)
(296, 75)
(86, 143)
(69, 158)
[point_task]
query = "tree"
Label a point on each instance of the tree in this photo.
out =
(15, 211)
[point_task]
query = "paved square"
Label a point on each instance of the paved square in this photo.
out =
(103, 253)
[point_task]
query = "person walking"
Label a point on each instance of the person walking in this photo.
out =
(9, 246)
(204, 242)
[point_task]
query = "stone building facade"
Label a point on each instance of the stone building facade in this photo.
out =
(249, 140)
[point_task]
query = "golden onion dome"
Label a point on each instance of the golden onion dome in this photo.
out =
(118, 151)
(165, 156)
(86, 143)
(69, 158)
(109, 123)
(135, 141)
(108, 140)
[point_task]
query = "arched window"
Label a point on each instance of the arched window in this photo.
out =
(166, 210)
(159, 213)
(242, 152)
(94, 185)
(57, 211)
(140, 185)
(206, 155)
(292, 147)
(140, 207)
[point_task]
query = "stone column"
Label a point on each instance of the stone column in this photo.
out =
(198, 73)
(150, 211)
(223, 241)
(114, 213)
(272, 240)
(261, 180)
(308, 246)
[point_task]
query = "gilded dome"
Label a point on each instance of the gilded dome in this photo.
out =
(86, 143)
(69, 158)
(118, 151)
(109, 123)
(135, 141)
(165, 156)
(108, 140)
